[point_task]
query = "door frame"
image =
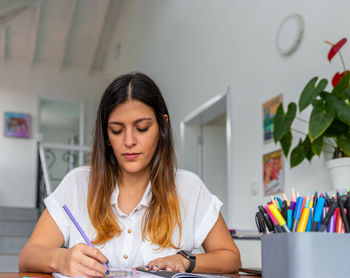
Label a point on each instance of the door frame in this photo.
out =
(203, 114)
(39, 138)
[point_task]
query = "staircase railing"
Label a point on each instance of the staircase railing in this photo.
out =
(44, 179)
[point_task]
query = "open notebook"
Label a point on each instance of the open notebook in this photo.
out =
(141, 273)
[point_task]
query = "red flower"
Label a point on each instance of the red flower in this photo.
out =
(335, 48)
(337, 77)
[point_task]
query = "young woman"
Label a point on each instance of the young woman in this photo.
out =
(131, 202)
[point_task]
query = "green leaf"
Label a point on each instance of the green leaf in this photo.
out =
(344, 143)
(290, 115)
(324, 94)
(336, 128)
(307, 149)
(342, 86)
(310, 92)
(341, 107)
(317, 146)
(297, 155)
(321, 117)
(278, 123)
(347, 93)
(286, 142)
(310, 155)
(283, 121)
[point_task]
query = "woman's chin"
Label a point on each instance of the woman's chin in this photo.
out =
(134, 169)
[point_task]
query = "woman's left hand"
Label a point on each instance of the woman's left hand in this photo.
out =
(170, 263)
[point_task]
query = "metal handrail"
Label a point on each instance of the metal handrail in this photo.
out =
(44, 168)
(47, 145)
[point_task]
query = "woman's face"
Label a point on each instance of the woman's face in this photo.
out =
(133, 133)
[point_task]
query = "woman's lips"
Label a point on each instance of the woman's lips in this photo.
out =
(131, 156)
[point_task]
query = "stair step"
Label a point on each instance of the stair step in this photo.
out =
(8, 263)
(14, 213)
(16, 228)
(12, 244)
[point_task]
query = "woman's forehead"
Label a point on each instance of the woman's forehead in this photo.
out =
(131, 110)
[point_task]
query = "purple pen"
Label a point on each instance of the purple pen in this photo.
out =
(76, 224)
(292, 206)
(331, 225)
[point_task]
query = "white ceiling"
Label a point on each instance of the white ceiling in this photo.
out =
(64, 33)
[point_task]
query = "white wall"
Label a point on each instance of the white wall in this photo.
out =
(214, 162)
(195, 49)
(20, 87)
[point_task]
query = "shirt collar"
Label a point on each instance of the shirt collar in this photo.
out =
(146, 198)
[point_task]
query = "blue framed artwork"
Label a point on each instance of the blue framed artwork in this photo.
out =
(269, 111)
(17, 125)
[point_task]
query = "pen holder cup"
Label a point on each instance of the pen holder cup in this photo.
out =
(305, 255)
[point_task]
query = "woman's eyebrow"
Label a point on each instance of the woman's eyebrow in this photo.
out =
(143, 119)
(135, 122)
(115, 123)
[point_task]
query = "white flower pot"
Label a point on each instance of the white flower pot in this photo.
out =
(339, 169)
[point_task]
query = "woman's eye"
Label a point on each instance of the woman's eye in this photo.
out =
(116, 131)
(142, 129)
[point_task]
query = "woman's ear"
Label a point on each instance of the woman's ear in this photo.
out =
(166, 118)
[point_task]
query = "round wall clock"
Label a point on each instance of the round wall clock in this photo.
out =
(289, 34)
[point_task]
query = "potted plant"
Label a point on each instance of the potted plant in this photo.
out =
(328, 125)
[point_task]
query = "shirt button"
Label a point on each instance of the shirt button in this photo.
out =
(125, 257)
(129, 231)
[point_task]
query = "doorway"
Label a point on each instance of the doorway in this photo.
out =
(60, 131)
(206, 145)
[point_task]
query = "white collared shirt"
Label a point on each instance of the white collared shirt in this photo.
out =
(199, 212)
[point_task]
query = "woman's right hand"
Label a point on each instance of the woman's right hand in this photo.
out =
(44, 253)
(82, 260)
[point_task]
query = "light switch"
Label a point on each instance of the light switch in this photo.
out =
(254, 186)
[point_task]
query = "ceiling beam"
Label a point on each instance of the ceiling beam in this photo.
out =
(100, 23)
(34, 38)
(7, 16)
(14, 12)
(67, 30)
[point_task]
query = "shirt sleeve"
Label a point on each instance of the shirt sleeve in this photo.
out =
(63, 195)
(207, 212)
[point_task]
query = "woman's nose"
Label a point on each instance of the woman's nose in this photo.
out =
(130, 139)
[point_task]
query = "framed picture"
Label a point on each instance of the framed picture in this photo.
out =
(273, 173)
(17, 125)
(269, 111)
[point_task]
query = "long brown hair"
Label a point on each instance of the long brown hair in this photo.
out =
(163, 212)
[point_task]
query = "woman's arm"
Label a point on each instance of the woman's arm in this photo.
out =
(221, 254)
(44, 253)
